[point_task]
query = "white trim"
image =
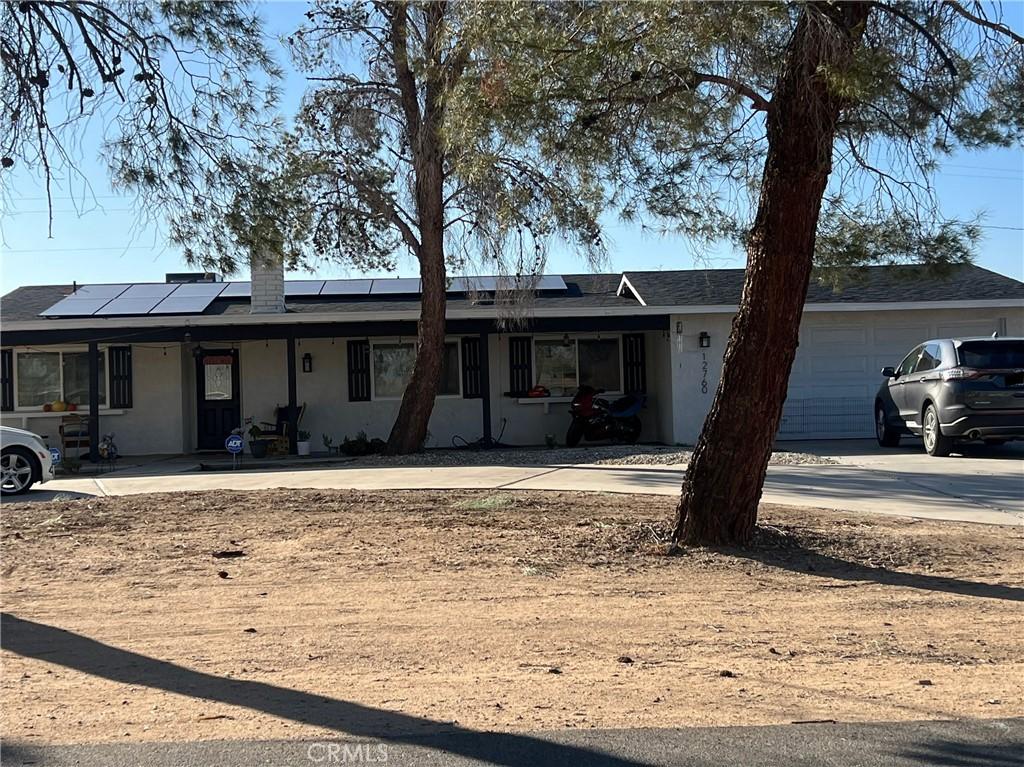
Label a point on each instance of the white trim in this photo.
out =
(624, 282)
(96, 323)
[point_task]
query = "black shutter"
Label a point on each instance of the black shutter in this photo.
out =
(7, 379)
(471, 368)
(358, 371)
(120, 387)
(634, 363)
(520, 365)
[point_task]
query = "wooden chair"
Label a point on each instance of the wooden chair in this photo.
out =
(74, 434)
(277, 434)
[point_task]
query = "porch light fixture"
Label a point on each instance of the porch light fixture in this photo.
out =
(705, 340)
(566, 341)
(307, 363)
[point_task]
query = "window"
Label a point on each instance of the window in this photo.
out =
(908, 364)
(562, 367)
(556, 366)
(931, 358)
(45, 377)
(599, 363)
(995, 354)
(393, 364)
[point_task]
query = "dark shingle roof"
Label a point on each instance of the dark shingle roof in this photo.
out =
(699, 287)
(872, 284)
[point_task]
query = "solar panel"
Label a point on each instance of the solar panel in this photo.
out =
(175, 304)
(303, 287)
(550, 282)
(149, 290)
(237, 290)
(83, 307)
(99, 291)
(399, 286)
(478, 284)
(346, 288)
(138, 299)
(196, 289)
(84, 301)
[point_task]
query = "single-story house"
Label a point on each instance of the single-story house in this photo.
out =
(172, 367)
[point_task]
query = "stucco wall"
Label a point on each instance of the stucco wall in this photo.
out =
(155, 423)
(263, 378)
(328, 410)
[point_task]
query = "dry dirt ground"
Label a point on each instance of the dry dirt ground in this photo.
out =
(375, 613)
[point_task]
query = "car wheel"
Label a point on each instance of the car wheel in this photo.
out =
(934, 442)
(884, 433)
(17, 471)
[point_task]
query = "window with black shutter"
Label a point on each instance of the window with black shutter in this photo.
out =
(358, 371)
(120, 376)
(6, 379)
(471, 388)
(520, 365)
(634, 363)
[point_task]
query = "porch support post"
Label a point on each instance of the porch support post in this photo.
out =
(485, 386)
(293, 407)
(94, 401)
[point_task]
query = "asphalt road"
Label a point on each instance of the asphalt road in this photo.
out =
(967, 743)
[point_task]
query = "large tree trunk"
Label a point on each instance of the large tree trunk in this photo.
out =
(410, 429)
(723, 483)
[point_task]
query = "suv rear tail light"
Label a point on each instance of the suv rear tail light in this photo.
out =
(956, 374)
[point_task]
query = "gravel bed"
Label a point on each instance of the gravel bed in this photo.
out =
(607, 455)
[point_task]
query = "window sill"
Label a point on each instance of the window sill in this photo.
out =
(30, 414)
(547, 402)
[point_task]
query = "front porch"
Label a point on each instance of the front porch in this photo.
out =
(182, 390)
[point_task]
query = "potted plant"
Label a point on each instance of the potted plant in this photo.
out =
(302, 443)
(257, 446)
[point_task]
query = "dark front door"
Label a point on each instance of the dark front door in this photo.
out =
(217, 397)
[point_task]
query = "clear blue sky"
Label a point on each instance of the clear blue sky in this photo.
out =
(104, 242)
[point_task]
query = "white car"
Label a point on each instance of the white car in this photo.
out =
(24, 460)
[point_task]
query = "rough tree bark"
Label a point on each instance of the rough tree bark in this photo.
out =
(725, 477)
(410, 428)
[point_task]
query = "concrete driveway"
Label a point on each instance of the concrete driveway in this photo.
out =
(985, 485)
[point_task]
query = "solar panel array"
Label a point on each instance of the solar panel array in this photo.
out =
(194, 297)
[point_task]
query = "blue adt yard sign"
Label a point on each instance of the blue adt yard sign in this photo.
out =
(55, 456)
(233, 444)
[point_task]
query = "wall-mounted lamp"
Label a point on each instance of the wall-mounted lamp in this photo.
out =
(566, 341)
(188, 336)
(679, 327)
(705, 340)
(307, 363)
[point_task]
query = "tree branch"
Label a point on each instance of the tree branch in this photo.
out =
(918, 27)
(982, 21)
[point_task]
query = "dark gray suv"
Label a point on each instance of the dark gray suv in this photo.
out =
(954, 389)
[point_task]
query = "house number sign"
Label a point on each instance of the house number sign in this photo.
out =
(704, 373)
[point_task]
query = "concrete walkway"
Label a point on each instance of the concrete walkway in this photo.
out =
(986, 487)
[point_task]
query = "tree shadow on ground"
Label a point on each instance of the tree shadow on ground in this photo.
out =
(951, 753)
(65, 648)
(780, 550)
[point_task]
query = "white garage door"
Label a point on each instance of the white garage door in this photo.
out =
(836, 371)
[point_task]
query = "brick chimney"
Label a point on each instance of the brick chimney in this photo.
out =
(267, 285)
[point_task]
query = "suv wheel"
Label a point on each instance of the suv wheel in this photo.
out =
(884, 433)
(934, 442)
(17, 468)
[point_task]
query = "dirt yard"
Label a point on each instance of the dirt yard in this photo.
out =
(376, 613)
